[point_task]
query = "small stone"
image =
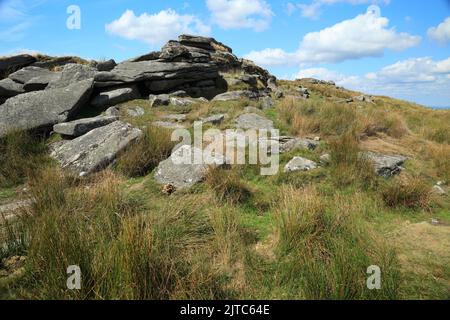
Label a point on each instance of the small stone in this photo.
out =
(135, 112)
(300, 164)
(159, 100)
(325, 158)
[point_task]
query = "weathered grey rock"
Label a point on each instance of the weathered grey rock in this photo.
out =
(107, 65)
(115, 96)
(287, 144)
(135, 112)
(159, 75)
(56, 62)
(181, 169)
(214, 119)
(11, 210)
(205, 43)
(96, 149)
(266, 102)
(167, 125)
(41, 82)
(112, 111)
(175, 117)
(43, 109)
(236, 95)
(439, 190)
(72, 73)
(181, 102)
(363, 98)
(26, 74)
(278, 94)
(385, 165)
(325, 158)
(146, 57)
(300, 164)
(13, 63)
(79, 127)
(159, 100)
(10, 88)
(253, 121)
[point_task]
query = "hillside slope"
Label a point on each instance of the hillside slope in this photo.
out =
(140, 228)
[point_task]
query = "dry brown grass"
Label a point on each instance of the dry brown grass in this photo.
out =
(407, 192)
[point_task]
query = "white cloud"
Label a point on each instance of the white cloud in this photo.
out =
(240, 14)
(367, 35)
(313, 10)
(156, 29)
(441, 33)
(420, 79)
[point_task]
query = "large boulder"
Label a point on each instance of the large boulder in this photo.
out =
(80, 127)
(385, 165)
(183, 171)
(72, 73)
(96, 149)
(13, 63)
(300, 164)
(107, 65)
(10, 88)
(115, 96)
(253, 121)
(43, 109)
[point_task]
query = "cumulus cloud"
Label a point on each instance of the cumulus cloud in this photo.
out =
(441, 33)
(313, 9)
(367, 35)
(156, 29)
(240, 14)
(421, 79)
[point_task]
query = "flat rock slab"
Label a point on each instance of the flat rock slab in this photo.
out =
(10, 88)
(175, 117)
(43, 109)
(41, 82)
(72, 73)
(167, 125)
(181, 169)
(385, 165)
(253, 121)
(214, 119)
(131, 72)
(97, 149)
(287, 144)
(236, 95)
(79, 127)
(135, 112)
(26, 74)
(115, 96)
(300, 164)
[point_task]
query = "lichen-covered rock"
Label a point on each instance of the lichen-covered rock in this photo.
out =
(300, 164)
(385, 165)
(72, 73)
(43, 109)
(253, 121)
(79, 127)
(236, 95)
(183, 171)
(214, 119)
(96, 149)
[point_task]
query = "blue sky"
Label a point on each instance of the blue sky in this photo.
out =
(398, 48)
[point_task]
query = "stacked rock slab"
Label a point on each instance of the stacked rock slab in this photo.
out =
(43, 109)
(97, 149)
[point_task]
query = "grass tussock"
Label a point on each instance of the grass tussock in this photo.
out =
(327, 247)
(346, 166)
(123, 251)
(440, 156)
(228, 186)
(411, 193)
(20, 155)
(146, 153)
